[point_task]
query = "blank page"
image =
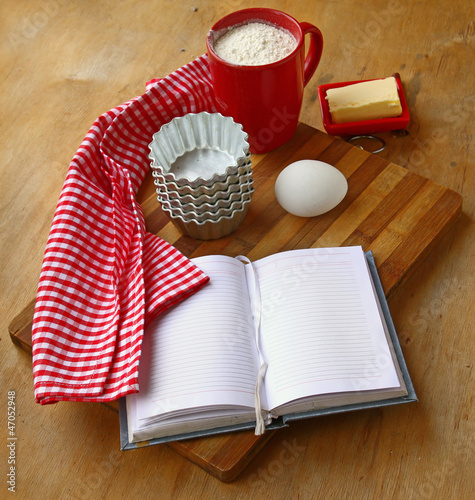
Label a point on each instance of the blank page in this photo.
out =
(321, 330)
(201, 352)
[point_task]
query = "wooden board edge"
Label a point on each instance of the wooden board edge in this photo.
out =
(224, 474)
(20, 327)
(449, 226)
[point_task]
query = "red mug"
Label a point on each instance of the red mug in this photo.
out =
(266, 100)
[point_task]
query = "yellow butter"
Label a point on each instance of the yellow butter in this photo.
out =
(364, 101)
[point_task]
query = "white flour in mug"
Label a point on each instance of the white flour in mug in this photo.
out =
(254, 44)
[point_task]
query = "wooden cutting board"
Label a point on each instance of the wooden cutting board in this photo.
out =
(397, 214)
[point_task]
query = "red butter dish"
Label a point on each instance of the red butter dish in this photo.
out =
(365, 126)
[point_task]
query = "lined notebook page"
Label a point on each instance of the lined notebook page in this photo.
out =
(320, 326)
(201, 352)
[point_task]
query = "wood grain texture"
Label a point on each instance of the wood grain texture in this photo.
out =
(398, 215)
(65, 63)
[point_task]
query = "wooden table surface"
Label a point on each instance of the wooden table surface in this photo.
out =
(64, 63)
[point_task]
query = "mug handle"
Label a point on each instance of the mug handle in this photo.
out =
(315, 49)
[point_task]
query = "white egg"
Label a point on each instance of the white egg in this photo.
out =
(309, 187)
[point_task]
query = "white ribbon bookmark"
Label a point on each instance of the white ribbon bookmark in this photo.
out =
(260, 423)
(256, 309)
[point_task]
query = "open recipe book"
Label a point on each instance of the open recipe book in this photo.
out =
(290, 336)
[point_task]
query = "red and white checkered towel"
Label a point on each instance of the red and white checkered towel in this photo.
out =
(104, 276)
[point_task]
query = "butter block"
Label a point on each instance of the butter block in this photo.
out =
(364, 101)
